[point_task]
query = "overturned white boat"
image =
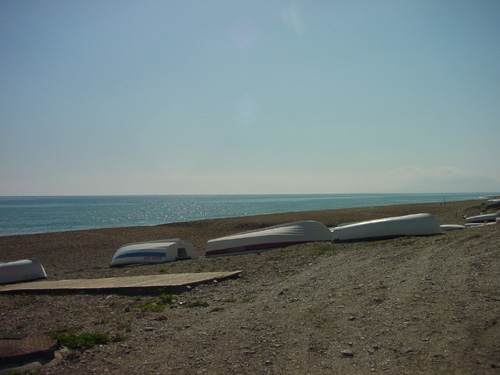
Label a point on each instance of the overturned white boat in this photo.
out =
(477, 225)
(482, 218)
(21, 270)
(161, 251)
(392, 227)
(269, 238)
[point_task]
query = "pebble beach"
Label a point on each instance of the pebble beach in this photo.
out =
(407, 305)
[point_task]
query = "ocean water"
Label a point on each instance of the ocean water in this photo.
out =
(29, 215)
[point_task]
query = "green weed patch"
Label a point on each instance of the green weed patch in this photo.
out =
(81, 342)
(197, 304)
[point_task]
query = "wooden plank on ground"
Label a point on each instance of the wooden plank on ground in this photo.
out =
(121, 283)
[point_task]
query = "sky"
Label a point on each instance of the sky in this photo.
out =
(122, 97)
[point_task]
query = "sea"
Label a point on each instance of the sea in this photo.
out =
(30, 215)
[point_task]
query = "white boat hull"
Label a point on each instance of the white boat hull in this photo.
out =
(21, 270)
(477, 225)
(482, 218)
(154, 252)
(392, 227)
(269, 238)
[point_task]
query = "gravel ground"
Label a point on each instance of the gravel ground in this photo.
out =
(405, 306)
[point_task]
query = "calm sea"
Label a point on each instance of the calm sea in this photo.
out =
(28, 215)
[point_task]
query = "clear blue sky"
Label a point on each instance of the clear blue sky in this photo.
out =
(221, 97)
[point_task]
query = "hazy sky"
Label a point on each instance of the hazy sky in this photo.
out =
(220, 97)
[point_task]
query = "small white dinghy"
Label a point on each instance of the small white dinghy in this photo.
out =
(269, 238)
(21, 270)
(482, 218)
(477, 225)
(392, 227)
(161, 251)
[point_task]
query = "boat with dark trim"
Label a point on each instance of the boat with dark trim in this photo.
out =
(151, 252)
(269, 238)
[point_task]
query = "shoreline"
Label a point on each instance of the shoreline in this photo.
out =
(313, 212)
(20, 223)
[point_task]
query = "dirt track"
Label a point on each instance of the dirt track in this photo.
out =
(403, 306)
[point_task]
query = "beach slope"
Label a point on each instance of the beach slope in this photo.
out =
(407, 305)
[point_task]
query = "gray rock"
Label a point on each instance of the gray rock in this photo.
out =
(347, 353)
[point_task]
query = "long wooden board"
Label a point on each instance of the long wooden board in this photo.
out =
(121, 283)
